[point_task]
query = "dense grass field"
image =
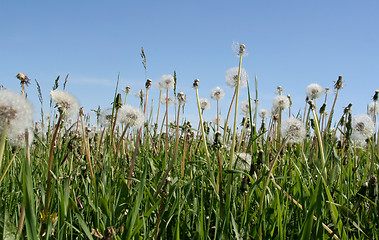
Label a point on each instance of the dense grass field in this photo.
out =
(135, 175)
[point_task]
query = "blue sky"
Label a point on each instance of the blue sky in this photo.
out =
(290, 44)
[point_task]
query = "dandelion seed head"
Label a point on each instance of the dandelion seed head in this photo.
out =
(280, 103)
(239, 49)
(314, 91)
(231, 77)
(126, 89)
(245, 106)
(140, 94)
(293, 129)
(220, 120)
(182, 98)
(362, 127)
(170, 100)
(166, 82)
(243, 161)
(18, 139)
(217, 93)
(264, 113)
(131, 116)
(16, 113)
(66, 103)
(205, 104)
(106, 117)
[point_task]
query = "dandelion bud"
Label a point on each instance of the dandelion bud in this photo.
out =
(196, 83)
(311, 104)
(148, 83)
(375, 98)
(338, 85)
(348, 108)
(118, 102)
(322, 108)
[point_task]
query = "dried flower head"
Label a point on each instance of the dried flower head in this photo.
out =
(131, 116)
(23, 78)
(170, 100)
(148, 83)
(182, 99)
(280, 103)
(196, 83)
(314, 91)
(217, 93)
(362, 127)
(293, 129)
(16, 114)
(327, 90)
(264, 113)
(231, 77)
(205, 104)
(140, 94)
(126, 89)
(239, 49)
(279, 90)
(166, 82)
(373, 108)
(66, 103)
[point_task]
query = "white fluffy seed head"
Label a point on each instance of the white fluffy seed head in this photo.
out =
(293, 129)
(66, 103)
(106, 117)
(220, 120)
(362, 127)
(245, 106)
(182, 98)
(19, 139)
(243, 161)
(205, 104)
(131, 116)
(170, 100)
(16, 113)
(314, 91)
(166, 82)
(217, 93)
(231, 77)
(264, 113)
(280, 103)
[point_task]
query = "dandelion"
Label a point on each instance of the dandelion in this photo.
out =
(170, 100)
(217, 93)
(182, 98)
(66, 103)
(106, 117)
(205, 104)
(314, 91)
(23, 78)
(362, 127)
(279, 90)
(280, 103)
(373, 108)
(218, 120)
(140, 94)
(19, 139)
(166, 82)
(264, 113)
(16, 112)
(239, 49)
(126, 89)
(244, 161)
(231, 77)
(293, 129)
(245, 106)
(131, 116)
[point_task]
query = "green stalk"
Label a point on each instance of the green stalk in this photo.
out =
(7, 167)
(204, 138)
(2, 144)
(86, 148)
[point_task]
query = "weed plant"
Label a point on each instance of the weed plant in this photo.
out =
(281, 176)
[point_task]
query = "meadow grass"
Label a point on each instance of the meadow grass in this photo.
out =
(128, 180)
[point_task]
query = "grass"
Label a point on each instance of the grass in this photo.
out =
(323, 187)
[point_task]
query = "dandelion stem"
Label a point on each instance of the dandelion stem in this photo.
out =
(86, 148)
(7, 167)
